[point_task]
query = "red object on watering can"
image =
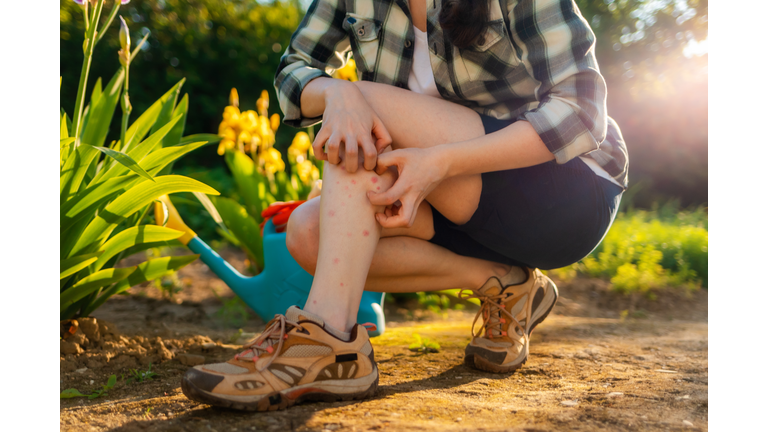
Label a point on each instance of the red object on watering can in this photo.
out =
(279, 212)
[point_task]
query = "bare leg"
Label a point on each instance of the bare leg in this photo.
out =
(348, 234)
(345, 254)
(404, 261)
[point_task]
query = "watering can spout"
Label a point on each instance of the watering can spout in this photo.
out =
(166, 214)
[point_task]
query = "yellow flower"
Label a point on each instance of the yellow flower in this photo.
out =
(301, 141)
(248, 120)
(229, 134)
(262, 104)
(307, 171)
(224, 145)
(275, 122)
(244, 137)
(348, 72)
(273, 161)
(234, 100)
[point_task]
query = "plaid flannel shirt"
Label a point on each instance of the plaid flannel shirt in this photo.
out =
(535, 62)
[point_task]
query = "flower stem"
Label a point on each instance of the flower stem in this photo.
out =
(125, 105)
(111, 18)
(90, 39)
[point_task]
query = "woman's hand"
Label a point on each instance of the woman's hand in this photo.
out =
(419, 172)
(349, 119)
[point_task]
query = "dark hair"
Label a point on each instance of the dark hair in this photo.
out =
(463, 21)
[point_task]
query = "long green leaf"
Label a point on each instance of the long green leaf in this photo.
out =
(130, 202)
(133, 236)
(101, 111)
(247, 181)
(126, 161)
(208, 138)
(146, 271)
(243, 227)
(144, 123)
(138, 152)
(73, 265)
(166, 111)
(91, 283)
(174, 136)
(87, 200)
(74, 169)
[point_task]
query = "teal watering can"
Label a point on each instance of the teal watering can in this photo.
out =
(282, 283)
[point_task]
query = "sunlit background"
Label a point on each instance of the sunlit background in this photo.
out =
(652, 53)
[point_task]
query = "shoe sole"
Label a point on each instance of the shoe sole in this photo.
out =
(478, 362)
(277, 400)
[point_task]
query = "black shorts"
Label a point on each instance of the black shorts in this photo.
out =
(545, 216)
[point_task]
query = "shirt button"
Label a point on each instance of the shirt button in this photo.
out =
(407, 44)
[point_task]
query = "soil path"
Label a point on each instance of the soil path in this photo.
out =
(589, 369)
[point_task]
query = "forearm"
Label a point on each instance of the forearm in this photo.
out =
(317, 92)
(516, 146)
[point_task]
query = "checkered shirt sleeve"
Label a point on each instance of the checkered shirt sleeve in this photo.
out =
(558, 49)
(317, 48)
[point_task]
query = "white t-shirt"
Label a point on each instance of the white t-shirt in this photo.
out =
(422, 80)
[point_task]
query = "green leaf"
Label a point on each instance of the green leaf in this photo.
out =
(166, 111)
(73, 265)
(208, 138)
(126, 161)
(71, 393)
(174, 136)
(208, 205)
(138, 152)
(243, 227)
(111, 382)
(91, 283)
(146, 271)
(101, 110)
(250, 183)
(144, 123)
(132, 237)
(139, 45)
(63, 130)
(134, 199)
(87, 200)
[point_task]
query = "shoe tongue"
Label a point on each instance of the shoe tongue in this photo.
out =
(295, 314)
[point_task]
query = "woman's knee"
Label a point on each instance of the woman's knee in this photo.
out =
(302, 233)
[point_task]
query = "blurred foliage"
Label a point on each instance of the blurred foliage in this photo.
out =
(214, 44)
(646, 251)
(651, 52)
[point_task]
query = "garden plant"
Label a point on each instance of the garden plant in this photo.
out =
(107, 190)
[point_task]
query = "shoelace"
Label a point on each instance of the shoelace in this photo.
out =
(491, 309)
(274, 334)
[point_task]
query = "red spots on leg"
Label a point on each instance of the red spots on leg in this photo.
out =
(349, 234)
(374, 179)
(350, 196)
(337, 182)
(354, 182)
(346, 187)
(341, 284)
(378, 187)
(366, 233)
(314, 301)
(336, 260)
(331, 213)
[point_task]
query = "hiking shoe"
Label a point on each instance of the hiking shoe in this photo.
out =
(510, 313)
(296, 359)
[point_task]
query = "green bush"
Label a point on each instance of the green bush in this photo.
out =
(650, 250)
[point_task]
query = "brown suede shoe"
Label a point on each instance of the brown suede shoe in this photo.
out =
(510, 313)
(296, 359)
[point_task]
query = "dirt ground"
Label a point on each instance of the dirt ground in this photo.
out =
(591, 367)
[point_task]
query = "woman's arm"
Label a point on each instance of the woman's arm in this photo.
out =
(421, 170)
(347, 119)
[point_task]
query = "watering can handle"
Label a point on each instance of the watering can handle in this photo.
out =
(167, 215)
